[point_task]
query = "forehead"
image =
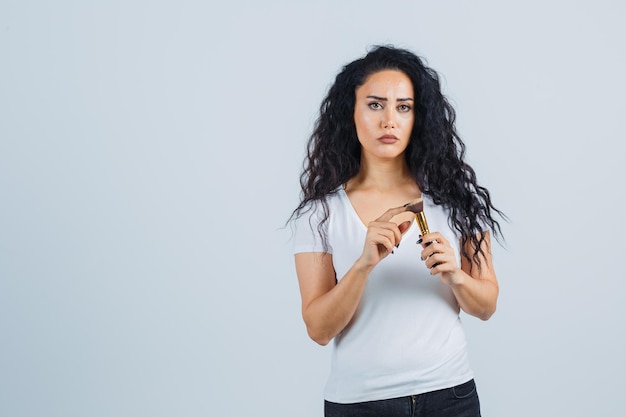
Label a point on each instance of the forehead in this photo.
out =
(387, 81)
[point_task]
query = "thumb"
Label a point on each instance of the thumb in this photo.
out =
(404, 226)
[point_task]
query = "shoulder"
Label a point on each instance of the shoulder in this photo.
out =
(312, 222)
(332, 201)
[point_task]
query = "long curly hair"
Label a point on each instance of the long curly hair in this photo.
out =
(434, 156)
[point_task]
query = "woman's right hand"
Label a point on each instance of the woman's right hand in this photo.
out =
(382, 237)
(329, 304)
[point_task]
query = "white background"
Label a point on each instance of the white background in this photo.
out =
(150, 154)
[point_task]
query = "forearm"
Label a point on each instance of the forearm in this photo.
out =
(327, 315)
(474, 282)
(329, 304)
(476, 297)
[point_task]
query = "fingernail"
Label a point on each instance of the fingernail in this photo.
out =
(398, 245)
(419, 241)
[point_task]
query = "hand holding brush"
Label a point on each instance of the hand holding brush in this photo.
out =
(437, 253)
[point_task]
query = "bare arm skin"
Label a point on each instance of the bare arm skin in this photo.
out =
(328, 305)
(476, 289)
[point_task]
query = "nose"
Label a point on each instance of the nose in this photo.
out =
(388, 120)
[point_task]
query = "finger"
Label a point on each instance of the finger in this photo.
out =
(389, 214)
(389, 228)
(436, 252)
(389, 238)
(423, 240)
(427, 254)
(383, 236)
(436, 269)
(441, 267)
(433, 247)
(439, 238)
(430, 238)
(435, 260)
(404, 226)
(386, 244)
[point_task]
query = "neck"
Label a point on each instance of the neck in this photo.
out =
(381, 175)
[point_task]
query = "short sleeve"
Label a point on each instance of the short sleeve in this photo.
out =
(307, 237)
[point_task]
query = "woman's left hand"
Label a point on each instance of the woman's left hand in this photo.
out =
(439, 256)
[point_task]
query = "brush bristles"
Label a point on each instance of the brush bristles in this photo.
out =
(416, 206)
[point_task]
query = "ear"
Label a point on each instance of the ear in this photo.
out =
(404, 226)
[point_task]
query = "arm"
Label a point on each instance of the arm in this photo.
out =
(328, 305)
(476, 289)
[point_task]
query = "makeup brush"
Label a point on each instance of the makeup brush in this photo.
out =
(417, 207)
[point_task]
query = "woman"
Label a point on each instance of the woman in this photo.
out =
(385, 137)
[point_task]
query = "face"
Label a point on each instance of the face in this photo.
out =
(383, 114)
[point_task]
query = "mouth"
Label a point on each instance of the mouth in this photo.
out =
(388, 139)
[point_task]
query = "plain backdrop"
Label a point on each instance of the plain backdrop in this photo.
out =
(149, 158)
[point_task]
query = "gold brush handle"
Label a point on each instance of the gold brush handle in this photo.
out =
(421, 223)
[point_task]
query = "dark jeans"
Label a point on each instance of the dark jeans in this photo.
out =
(459, 401)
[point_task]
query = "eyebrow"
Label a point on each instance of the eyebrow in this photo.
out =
(384, 99)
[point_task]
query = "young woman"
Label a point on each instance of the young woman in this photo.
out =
(388, 297)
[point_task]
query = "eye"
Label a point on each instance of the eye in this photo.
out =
(375, 105)
(404, 108)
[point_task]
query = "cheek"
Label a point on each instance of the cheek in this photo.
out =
(361, 124)
(409, 123)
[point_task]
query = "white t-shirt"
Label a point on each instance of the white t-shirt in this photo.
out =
(406, 336)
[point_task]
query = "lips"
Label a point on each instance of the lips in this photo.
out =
(388, 139)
